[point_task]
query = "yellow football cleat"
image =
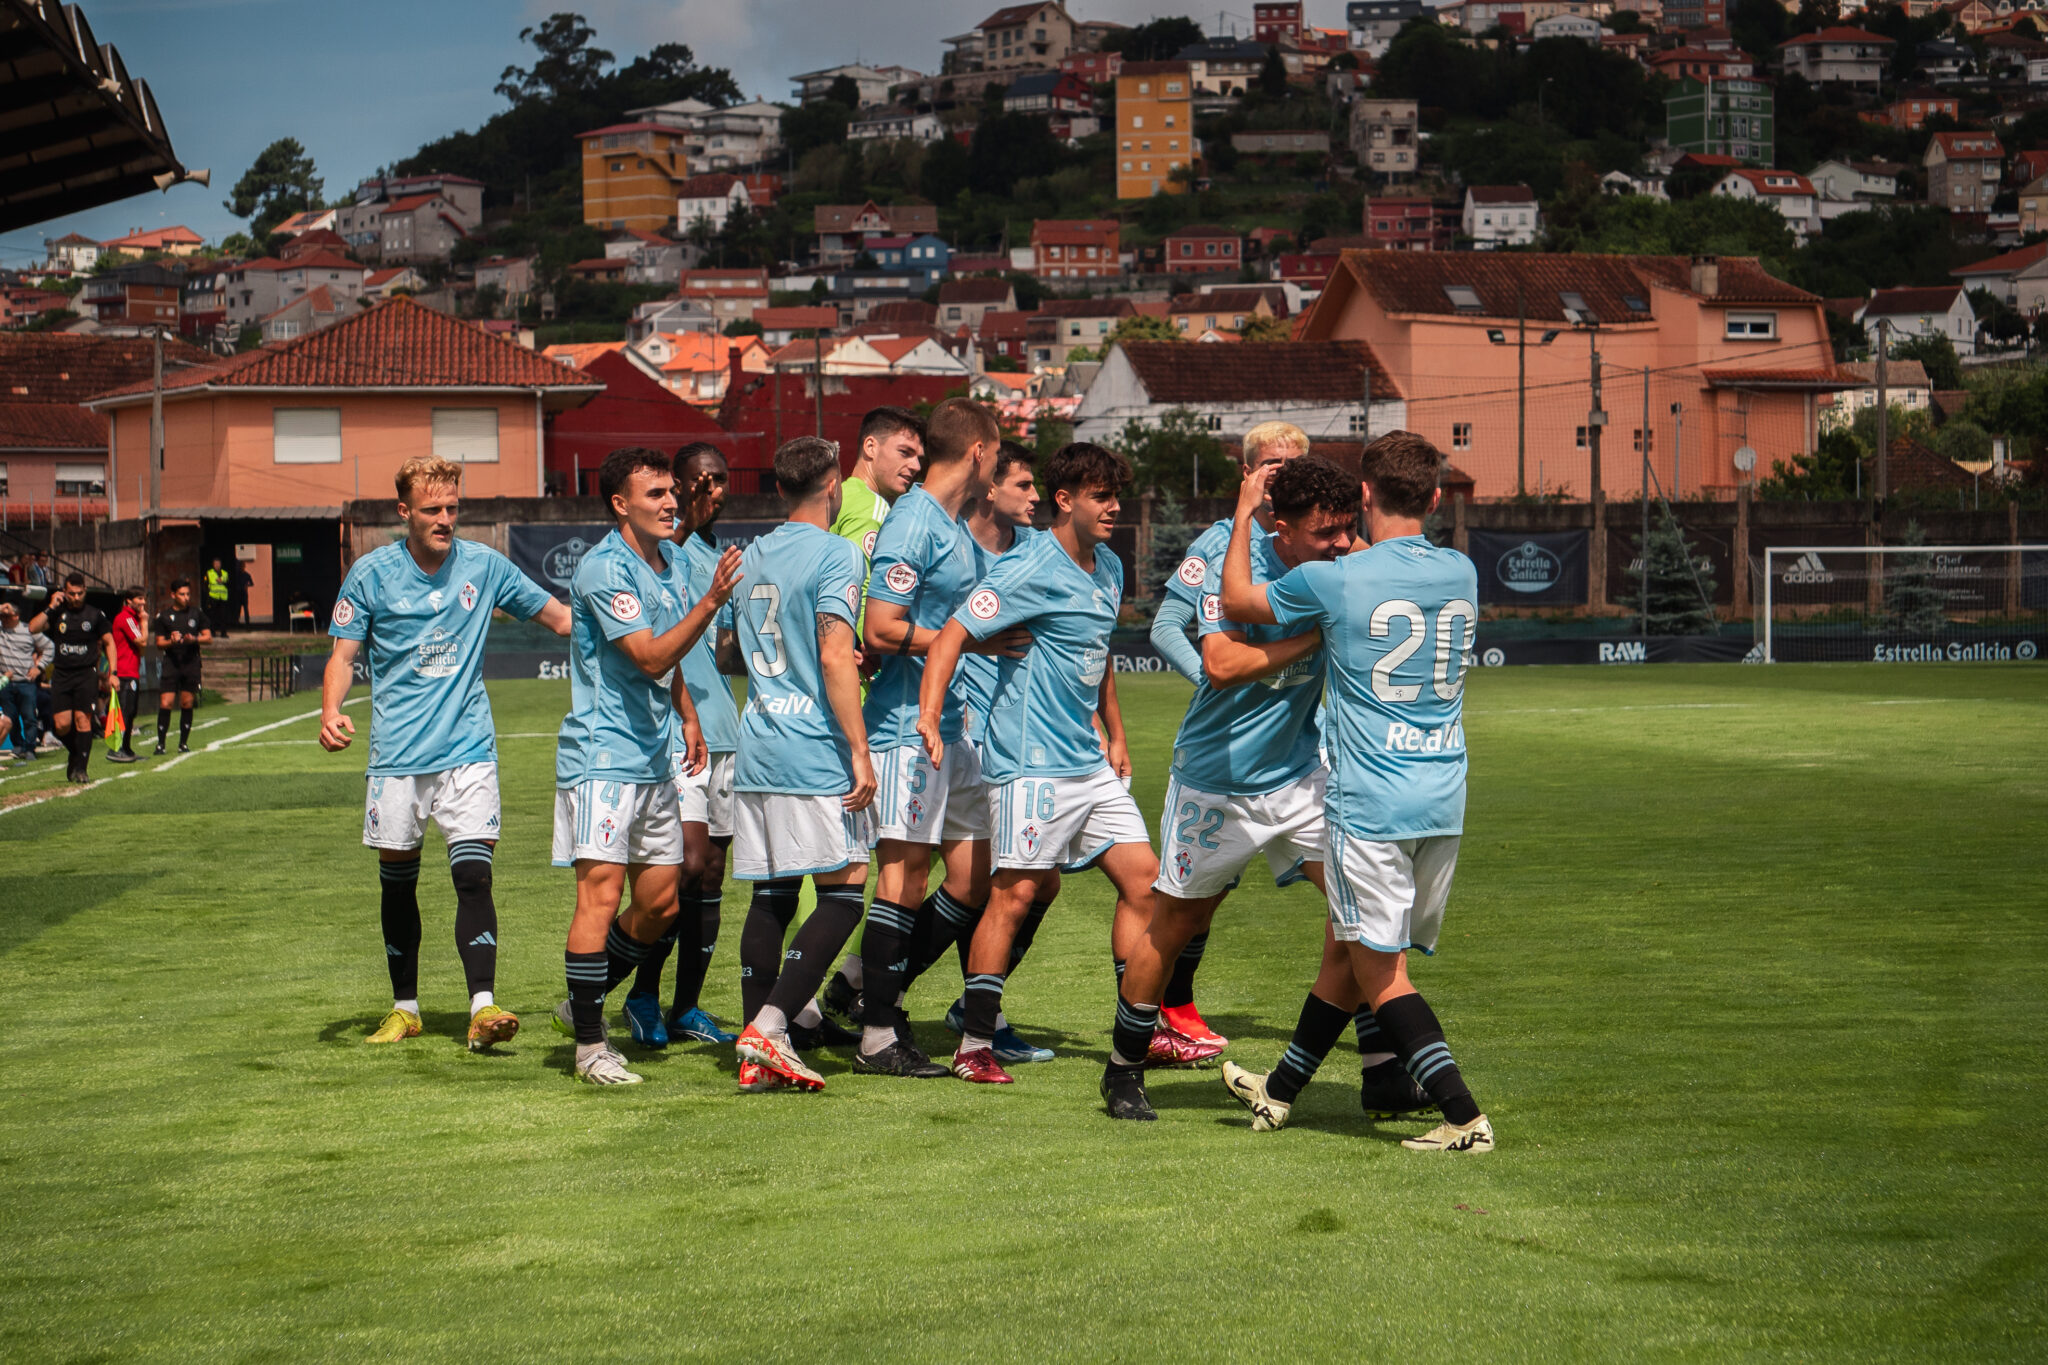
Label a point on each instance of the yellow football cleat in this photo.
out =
(491, 1025)
(397, 1025)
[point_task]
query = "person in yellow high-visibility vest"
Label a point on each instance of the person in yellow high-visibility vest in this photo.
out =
(217, 600)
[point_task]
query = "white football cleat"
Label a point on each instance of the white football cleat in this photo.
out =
(606, 1067)
(1476, 1136)
(1248, 1088)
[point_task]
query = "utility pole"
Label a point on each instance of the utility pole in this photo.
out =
(1643, 581)
(818, 392)
(156, 458)
(1884, 411)
(1521, 387)
(1596, 421)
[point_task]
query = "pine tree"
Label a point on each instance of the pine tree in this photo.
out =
(1172, 533)
(1914, 604)
(1677, 582)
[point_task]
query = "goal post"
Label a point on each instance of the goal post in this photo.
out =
(1901, 603)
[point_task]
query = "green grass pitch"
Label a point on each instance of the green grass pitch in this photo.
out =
(1746, 964)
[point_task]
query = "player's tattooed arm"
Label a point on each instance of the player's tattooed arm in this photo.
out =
(726, 654)
(839, 663)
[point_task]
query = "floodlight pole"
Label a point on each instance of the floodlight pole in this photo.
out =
(1596, 420)
(1884, 411)
(1522, 384)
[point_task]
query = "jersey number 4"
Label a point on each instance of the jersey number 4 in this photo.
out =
(1448, 676)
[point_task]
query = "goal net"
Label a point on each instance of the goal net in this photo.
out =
(1901, 603)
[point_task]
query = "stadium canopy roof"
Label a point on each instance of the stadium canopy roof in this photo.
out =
(76, 131)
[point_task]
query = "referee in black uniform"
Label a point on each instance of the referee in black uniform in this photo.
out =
(84, 637)
(180, 629)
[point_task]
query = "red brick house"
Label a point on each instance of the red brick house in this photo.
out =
(1075, 248)
(1204, 248)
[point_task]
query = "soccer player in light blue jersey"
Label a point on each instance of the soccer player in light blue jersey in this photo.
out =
(423, 607)
(804, 783)
(617, 818)
(705, 796)
(1056, 799)
(1246, 780)
(1397, 621)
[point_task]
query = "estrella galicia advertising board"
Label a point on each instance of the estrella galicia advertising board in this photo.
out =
(1529, 568)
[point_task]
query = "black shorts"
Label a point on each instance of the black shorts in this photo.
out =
(74, 694)
(177, 679)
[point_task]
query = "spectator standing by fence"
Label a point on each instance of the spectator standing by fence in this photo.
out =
(240, 581)
(38, 575)
(217, 580)
(24, 659)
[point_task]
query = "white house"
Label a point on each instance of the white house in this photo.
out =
(1500, 215)
(1905, 386)
(893, 123)
(73, 252)
(1789, 193)
(1314, 384)
(1845, 56)
(710, 197)
(1847, 181)
(1943, 310)
(1581, 26)
(1650, 184)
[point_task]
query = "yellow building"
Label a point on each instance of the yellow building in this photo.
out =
(1155, 128)
(631, 172)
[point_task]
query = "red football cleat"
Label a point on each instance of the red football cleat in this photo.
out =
(1171, 1047)
(776, 1055)
(1189, 1023)
(756, 1079)
(979, 1067)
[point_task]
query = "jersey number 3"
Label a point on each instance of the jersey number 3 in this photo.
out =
(770, 632)
(1448, 676)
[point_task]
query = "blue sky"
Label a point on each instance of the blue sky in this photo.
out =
(365, 83)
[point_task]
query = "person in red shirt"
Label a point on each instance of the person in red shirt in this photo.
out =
(130, 626)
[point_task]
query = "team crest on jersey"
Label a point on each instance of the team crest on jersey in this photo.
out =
(914, 808)
(1212, 607)
(606, 828)
(1183, 864)
(1028, 838)
(344, 612)
(373, 819)
(625, 606)
(467, 597)
(900, 578)
(853, 598)
(867, 544)
(984, 605)
(1191, 571)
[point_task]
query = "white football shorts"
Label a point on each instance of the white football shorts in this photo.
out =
(462, 800)
(919, 804)
(1389, 895)
(777, 835)
(705, 799)
(604, 821)
(1063, 822)
(1206, 840)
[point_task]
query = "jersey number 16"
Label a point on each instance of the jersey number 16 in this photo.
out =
(1448, 676)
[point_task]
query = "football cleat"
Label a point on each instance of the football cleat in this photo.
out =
(644, 1022)
(756, 1079)
(606, 1067)
(779, 1056)
(1171, 1047)
(979, 1068)
(1189, 1023)
(1123, 1093)
(698, 1026)
(898, 1059)
(826, 1034)
(491, 1025)
(956, 1015)
(1248, 1088)
(397, 1025)
(1387, 1091)
(1476, 1136)
(1011, 1050)
(841, 1003)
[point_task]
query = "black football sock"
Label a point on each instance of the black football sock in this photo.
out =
(1373, 1046)
(1418, 1040)
(163, 724)
(942, 922)
(984, 1003)
(816, 947)
(1026, 933)
(647, 978)
(1317, 1030)
(184, 727)
(623, 955)
(1131, 1038)
(586, 973)
(693, 955)
(768, 917)
(1180, 987)
(476, 914)
(884, 954)
(401, 916)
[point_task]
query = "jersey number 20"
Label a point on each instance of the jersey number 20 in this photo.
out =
(1448, 676)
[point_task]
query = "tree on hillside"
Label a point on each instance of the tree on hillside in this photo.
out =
(281, 182)
(568, 66)
(1937, 354)
(1266, 329)
(1157, 41)
(1178, 457)
(821, 123)
(1009, 148)
(1141, 327)
(1273, 75)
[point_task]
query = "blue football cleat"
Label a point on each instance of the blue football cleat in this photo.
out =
(699, 1027)
(1011, 1050)
(956, 1017)
(643, 1018)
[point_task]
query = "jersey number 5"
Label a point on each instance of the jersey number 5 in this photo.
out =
(770, 631)
(1448, 676)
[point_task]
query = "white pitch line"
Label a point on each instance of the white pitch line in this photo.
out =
(1660, 706)
(230, 739)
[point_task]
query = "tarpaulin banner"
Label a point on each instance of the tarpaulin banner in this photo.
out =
(1531, 568)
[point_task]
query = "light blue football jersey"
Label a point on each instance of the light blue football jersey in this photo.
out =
(790, 741)
(621, 723)
(710, 690)
(976, 674)
(1260, 736)
(1041, 720)
(428, 708)
(924, 560)
(1397, 622)
(1185, 583)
